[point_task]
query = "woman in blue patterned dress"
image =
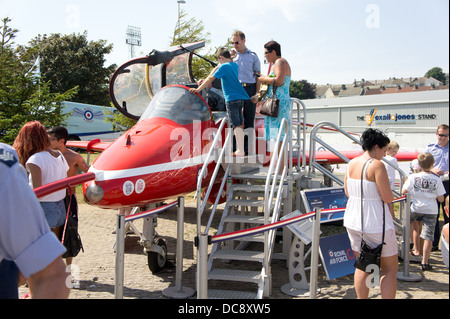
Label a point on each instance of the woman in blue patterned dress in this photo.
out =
(281, 74)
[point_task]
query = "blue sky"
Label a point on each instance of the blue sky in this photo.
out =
(325, 41)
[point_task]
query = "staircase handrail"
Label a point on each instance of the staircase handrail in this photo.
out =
(312, 153)
(201, 205)
(274, 169)
(301, 134)
(269, 190)
(312, 150)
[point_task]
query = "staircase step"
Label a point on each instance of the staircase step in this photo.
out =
(246, 202)
(257, 174)
(244, 195)
(235, 275)
(241, 165)
(259, 238)
(230, 294)
(244, 219)
(243, 255)
(247, 188)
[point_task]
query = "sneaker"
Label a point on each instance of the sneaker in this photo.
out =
(426, 267)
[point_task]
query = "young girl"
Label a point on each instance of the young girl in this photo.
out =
(392, 150)
(44, 166)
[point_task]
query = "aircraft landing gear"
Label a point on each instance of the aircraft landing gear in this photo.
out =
(157, 256)
(154, 247)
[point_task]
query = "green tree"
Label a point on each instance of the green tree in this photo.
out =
(436, 73)
(23, 97)
(189, 31)
(68, 61)
(302, 90)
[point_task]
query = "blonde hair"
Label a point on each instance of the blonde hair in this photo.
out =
(426, 160)
(392, 145)
(238, 33)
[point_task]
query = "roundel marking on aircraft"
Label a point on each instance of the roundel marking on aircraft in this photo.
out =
(140, 186)
(128, 188)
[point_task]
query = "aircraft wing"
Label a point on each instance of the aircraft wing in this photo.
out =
(331, 158)
(94, 145)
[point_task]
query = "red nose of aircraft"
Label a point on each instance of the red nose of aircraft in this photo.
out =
(149, 163)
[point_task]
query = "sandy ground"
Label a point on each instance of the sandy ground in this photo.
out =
(95, 267)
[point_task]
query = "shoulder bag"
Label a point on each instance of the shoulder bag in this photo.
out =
(368, 256)
(71, 238)
(271, 104)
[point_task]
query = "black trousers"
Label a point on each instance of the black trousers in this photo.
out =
(9, 274)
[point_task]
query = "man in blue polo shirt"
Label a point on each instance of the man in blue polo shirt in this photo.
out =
(440, 154)
(249, 64)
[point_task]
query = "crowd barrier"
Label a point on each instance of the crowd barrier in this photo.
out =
(204, 240)
(175, 292)
(317, 214)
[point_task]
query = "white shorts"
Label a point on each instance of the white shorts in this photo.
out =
(373, 240)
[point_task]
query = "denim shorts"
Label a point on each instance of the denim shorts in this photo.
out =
(234, 111)
(55, 213)
(429, 223)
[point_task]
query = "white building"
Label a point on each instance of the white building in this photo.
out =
(411, 119)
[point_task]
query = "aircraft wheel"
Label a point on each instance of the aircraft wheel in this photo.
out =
(156, 262)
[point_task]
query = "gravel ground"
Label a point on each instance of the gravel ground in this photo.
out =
(95, 267)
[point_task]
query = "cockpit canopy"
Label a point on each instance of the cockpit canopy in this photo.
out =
(176, 103)
(135, 84)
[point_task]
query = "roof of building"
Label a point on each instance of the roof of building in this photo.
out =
(351, 91)
(431, 96)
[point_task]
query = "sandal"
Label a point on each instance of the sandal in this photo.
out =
(415, 258)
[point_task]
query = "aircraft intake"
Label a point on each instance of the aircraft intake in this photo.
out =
(94, 193)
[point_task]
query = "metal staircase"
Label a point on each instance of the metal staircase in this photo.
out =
(240, 267)
(242, 260)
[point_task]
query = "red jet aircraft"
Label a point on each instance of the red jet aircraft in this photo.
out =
(160, 157)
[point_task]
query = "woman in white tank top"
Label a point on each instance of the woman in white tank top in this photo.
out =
(44, 166)
(377, 192)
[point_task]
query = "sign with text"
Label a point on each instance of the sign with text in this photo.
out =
(325, 198)
(337, 256)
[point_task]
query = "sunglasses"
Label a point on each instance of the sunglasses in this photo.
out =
(443, 135)
(235, 42)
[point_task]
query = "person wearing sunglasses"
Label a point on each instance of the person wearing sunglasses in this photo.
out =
(249, 64)
(280, 76)
(440, 168)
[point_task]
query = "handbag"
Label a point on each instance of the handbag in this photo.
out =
(271, 104)
(71, 239)
(368, 256)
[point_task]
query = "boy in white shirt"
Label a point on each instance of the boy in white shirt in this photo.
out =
(425, 187)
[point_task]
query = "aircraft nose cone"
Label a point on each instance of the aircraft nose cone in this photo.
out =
(94, 193)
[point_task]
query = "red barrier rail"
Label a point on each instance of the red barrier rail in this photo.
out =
(64, 183)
